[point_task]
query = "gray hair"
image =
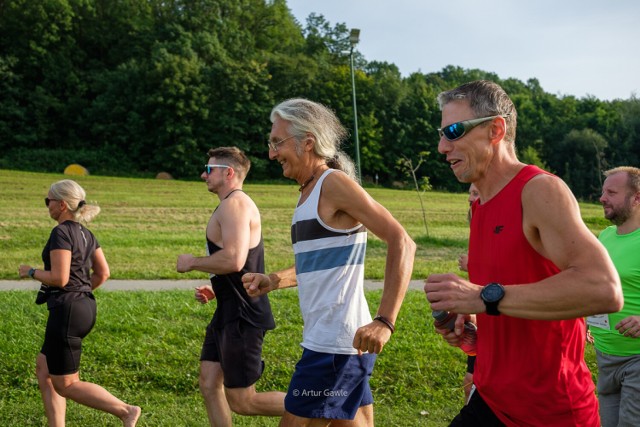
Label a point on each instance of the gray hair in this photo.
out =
(306, 116)
(486, 99)
(74, 196)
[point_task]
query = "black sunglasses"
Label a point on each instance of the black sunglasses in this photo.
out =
(458, 130)
(47, 200)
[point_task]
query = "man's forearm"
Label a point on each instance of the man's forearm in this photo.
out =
(284, 278)
(397, 276)
(218, 263)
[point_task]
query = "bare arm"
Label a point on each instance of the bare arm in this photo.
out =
(259, 284)
(234, 218)
(587, 283)
(100, 268)
(553, 226)
(345, 197)
(60, 269)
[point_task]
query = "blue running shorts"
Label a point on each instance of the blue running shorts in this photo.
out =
(330, 386)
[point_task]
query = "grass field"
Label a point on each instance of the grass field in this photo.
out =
(145, 224)
(145, 350)
(145, 346)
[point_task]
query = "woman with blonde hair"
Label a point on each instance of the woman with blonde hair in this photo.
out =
(74, 265)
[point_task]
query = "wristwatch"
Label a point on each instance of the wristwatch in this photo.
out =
(491, 295)
(31, 272)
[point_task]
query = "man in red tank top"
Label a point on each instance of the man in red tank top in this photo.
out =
(535, 270)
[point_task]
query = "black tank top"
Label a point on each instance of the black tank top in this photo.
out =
(233, 300)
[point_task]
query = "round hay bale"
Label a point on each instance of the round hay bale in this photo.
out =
(164, 175)
(76, 169)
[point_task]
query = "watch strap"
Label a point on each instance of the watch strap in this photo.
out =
(492, 308)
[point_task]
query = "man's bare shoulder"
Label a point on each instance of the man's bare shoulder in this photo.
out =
(339, 184)
(544, 187)
(548, 201)
(239, 208)
(236, 200)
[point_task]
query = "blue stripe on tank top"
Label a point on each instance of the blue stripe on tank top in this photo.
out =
(325, 259)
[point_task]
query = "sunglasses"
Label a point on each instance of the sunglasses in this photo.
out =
(47, 200)
(273, 145)
(457, 130)
(209, 168)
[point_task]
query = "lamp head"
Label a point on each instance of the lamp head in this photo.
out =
(354, 37)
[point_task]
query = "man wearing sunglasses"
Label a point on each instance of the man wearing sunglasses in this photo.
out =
(231, 357)
(340, 340)
(535, 270)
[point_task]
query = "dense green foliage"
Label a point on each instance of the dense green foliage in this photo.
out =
(135, 87)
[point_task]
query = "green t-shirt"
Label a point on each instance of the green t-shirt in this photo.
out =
(624, 251)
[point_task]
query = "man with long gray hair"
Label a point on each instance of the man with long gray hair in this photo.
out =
(329, 234)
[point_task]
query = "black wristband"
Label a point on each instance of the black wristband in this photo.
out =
(386, 321)
(31, 272)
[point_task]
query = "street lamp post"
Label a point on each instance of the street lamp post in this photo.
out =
(354, 37)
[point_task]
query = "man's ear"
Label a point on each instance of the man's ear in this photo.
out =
(309, 142)
(231, 172)
(497, 130)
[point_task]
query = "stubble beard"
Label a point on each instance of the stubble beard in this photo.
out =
(619, 216)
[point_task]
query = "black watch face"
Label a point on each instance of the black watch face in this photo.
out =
(492, 292)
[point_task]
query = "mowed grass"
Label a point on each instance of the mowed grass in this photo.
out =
(145, 349)
(145, 346)
(145, 224)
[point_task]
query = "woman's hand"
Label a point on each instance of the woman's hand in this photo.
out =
(23, 271)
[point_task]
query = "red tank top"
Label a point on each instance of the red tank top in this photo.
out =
(530, 372)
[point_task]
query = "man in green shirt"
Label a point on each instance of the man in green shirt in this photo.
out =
(617, 335)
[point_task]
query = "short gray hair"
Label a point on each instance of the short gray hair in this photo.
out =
(486, 99)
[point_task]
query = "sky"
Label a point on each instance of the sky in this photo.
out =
(573, 47)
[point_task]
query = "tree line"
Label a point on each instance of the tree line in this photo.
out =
(135, 87)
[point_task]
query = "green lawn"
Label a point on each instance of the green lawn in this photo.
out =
(146, 223)
(145, 350)
(145, 346)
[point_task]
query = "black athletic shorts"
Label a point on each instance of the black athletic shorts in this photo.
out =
(471, 363)
(476, 413)
(69, 322)
(238, 348)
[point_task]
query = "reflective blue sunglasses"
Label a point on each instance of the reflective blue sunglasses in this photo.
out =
(457, 130)
(209, 168)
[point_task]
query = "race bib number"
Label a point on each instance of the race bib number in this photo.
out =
(599, 321)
